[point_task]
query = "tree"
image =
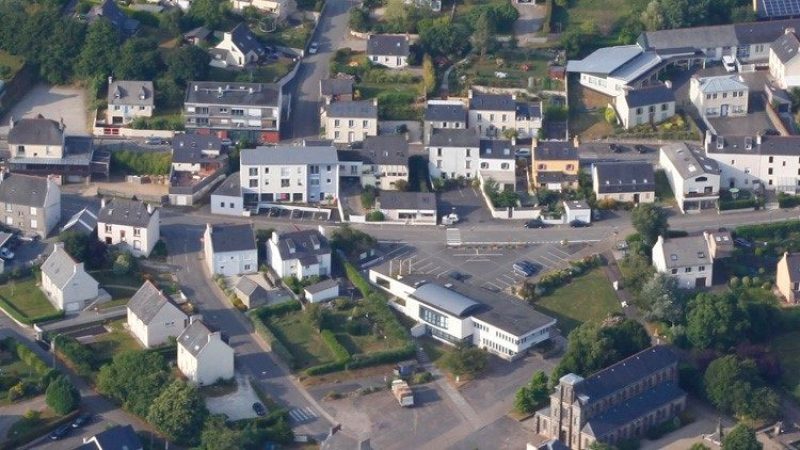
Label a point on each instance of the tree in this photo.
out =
(699, 446)
(651, 17)
(61, 396)
(741, 438)
(466, 360)
(359, 20)
(179, 412)
(533, 394)
(443, 37)
(428, 75)
(663, 299)
(735, 386)
(208, 12)
(135, 379)
(56, 63)
(123, 263)
(187, 63)
(138, 59)
(650, 222)
(610, 115)
(397, 15)
(483, 33)
(98, 56)
(218, 436)
(352, 242)
(715, 321)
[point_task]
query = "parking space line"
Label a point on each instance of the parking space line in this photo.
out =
(556, 249)
(432, 270)
(442, 273)
(478, 260)
(560, 258)
(493, 285)
(549, 260)
(510, 278)
(425, 267)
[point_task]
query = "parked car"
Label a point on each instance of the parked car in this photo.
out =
(615, 148)
(743, 243)
(5, 253)
(82, 420)
(60, 432)
(152, 140)
(579, 224)
(729, 63)
(525, 268)
(259, 409)
(458, 276)
(313, 48)
(535, 223)
(640, 148)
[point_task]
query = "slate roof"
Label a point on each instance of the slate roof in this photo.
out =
(147, 302)
(109, 10)
(385, 149)
(786, 47)
(232, 238)
(36, 131)
(496, 149)
(206, 143)
(125, 92)
(321, 286)
(23, 190)
(336, 86)
(195, 337)
(303, 242)
(793, 265)
(387, 45)
(554, 151)
(763, 32)
(633, 408)
(208, 93)
(605, 60)
(454, 138)
(246, 286)
(685, 251)
(407, 200)
(359, 109)
(201, 33)
(231, 187)
(620, 177)
(722, 83)
(688, 162)
(289, 155)
(245, 41)
(122, 211)
(118, 437)
(84, 221)
(60, 267)
(649, 96)
(492, 102)
(528, 110)
(770, 145)
(445, 112)
(693, 38)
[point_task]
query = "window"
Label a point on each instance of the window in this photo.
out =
(701, 269)
(468, 164)
(651, 109)
(253, 171)
(108, 228)
(8, 207)
(639, 111)
(769, 171)
(724, 95)
(284, 182)
(469, 151)
(570, 167)
(221, 204)
(664, 106)
(714, 96)
(484, 165)
(439, 152)
(237, 112)
(708, 96)
(438, 163)
(34, 223)
(253, 183)
(688, 270)
(137, 232)
(364, 123)
(313, 170)
(504, 166)
(542, 167)
(329, 168)
(771, 158)
(674, 271)
(223, 110)
(432, 317)
(336, 123)
(350, 123)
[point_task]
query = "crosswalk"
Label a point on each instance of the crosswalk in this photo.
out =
(302, 415)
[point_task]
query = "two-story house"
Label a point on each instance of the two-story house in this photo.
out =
(390, 50)
(288, 174)
(31, 205)
(784, 62)
(747, 162)
(444, 114)
(153, 318)
(687, 259)
(227, 198)
(694, 178)
(204, 357)
(239, 111)
(652, 104)
(453, 153)
(347, 122)
(300, 254)
(197, 166)
(230, 249)
(630, 182)
(128, 100)
(65, 281)
(554, 165)
(383, 161)
(131, 224)
(720, 96)
(238, 48)
(497, 161)
(787, 277)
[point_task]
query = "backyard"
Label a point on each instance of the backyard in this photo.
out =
(115, 341)
(588, 297)
(25, 301)
(268, 73)
(302, 340)
(507, 69)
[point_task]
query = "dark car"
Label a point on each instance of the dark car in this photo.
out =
(458, 276)
(259, 409)
(60, 432)
(82, 420)
(535, 223)
(525, 268)
(579, 224)
(615, 148)
(640, 148)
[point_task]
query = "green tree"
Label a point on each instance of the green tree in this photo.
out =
(715, 321)
(610, 115)
(138, 59)
(352, 242)
(443, 37)
(358, 20)
(99, 54)
(218, 436)
(699, 446)
(662, 299)
(466, 360)
(61, 396)
(208, 12)
(735, 386)
(179, 412)
(428, 75)
(650, 222)
(187, 63)
(396, 15)
(741, 438)
(483, 33)
(123, 264)
(56, 63)
(533, 394)
(135, 379)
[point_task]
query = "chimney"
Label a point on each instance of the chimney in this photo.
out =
(576, 142)
(534, 143)
(660, 240)
(513, 140)
(668, 84)
(758, 139)
(110, 79)
(208, 228)
(195, 88)
(11, 122)
(2, 175)
(61, 122)
(708, 137)
(513, 96)
(375, 101)
(149, 209)
(194, 318)
(103, 202)
(250, 89)
(275, 237)
(788, 30)
(469, 93)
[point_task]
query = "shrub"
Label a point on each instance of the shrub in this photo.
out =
(81, 358)
(17, 391)
(423, 377)
(375, 216)
(734, 282)
(339, 352)
(61, 396)
(139, 163)
(33, 361)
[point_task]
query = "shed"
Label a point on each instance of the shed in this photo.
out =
(322, 291)
(578, 210)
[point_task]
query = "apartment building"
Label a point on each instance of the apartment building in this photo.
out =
(347, 122)
(493, 114)
(453, 153)
(382, 161)
(131, 224)
(687, 259)
(497, 161)
(128, 100)
(721, 96)
(749, 162)
(554, 165)
(694, 178)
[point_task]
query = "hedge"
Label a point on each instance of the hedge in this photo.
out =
(788, 201)
(32, 360)
(76, 353)
(277, 347)
(12, 311)
(280, 309)
(358, 281)
(338, 350)
(777, 230)
(744, 203)
(36, 432)
(322, 369)
(387, 356)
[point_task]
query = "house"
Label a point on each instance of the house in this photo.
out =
(83, 222)
(721, 96)
(198, 36)
(288, 174)
(646, 105)
(444, 114)
(493, 114)
(624, 182)
(693, 177)
(336, 90)
(497, 161)
(230, 249)
(131, 224)
(117, 437)
(347, 122)
(227, 198)
(554, 165)
(784, 63)
(203, 356)
(390, 50)
(238, 111)
(686, 259)
(249, 291)
(750, 162)
(612, 70)
(238, 48)
(110, 11)
(384, 161)
(453, 153)
(787, 277)
(66, 283)
(153, 318)
(279, 9)
(322, 291)
(621, 402)
(454, 312)
(577, 210)
(418, 208)
(197, 166)
(720, 243)
(128, 100)
(31, 205)
(300, 254)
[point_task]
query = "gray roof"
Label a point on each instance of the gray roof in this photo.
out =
(231, 187)
(321, 286)
(118, 437)
(109, 10)
(407, 200)
(722, 83)
(303, 245)
(445, 112)
(232, 238)
(245, 40)
(247, 286)
(359, 109)
(336, 86)
(746, 145)
(576, 204)
(496, 149)
(454, 138)
(147, 302)
(195, 337)
(125, 92)
(786, 47)
(492, 102)
(201, 142)
(84, 221)
(23, 190)
(605, 60)
(554, 151)
(633, 408)
(444, 299)
(387, 44)
(685, 251)
(620, 177)
(244, 94)
(649, 96)
(198, 33)
(689, 162)
(693, 38)
(4, 237)
(60, 267)
(763, 32)
(121, 211)
(552, 444)
(36, 131)
(528, 110)
(793, 265)
(288, 154)
(386, 149)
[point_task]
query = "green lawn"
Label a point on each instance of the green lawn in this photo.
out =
(116, 341)
(787, 347)
(518, 65)
(107, 277)
(366, 343)
(26, 298)
(589, 297)
(301, 339)
(604, 14)
(269, 73)
(663, 189)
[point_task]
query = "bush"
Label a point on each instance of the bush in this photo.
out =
(375, 216)
(384, 357)
(12, 310)
(31, 360)
(123, 264)
(140, 163)
(339, 352)
(61, 396)
(776, 230)
(79, 356)
(788, 201)
(469, 361)
(744, 203)
(422, 378)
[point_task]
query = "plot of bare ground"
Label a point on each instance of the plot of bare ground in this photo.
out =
(53, 102)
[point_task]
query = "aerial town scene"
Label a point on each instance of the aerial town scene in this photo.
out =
(399, 224)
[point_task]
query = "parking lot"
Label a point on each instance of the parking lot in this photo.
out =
(53, 102)
(296, 214)
(467, 202)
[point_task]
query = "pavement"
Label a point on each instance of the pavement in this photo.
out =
(531, 19)
(238, 404)
(65, 103)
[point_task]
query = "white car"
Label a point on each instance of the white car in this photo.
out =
(312, 49)
(6, 253)
(729, 63)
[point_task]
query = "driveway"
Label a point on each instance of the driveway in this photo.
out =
(236, 405)
(53, 102)
(527, 27)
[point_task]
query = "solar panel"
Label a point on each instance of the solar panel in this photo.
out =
(780, 8)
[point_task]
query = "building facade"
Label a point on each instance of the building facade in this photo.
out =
(787, 277)
(687, 259)
(444, 114)
(348, 122)
(389, 50)
(492, 114)
(128, 100)
(453, 153)
(203, 356)
(784, 62)
(198, 165)
(646, 105)
(694, 179)
(300, 254)
(66, 283)
(230, 249)
(753, 162)
(238, 48)
(132, 224)
(721, 96)
(31, 205)
(628, 182)
(153, 318)
(554, 165)
(418, 208)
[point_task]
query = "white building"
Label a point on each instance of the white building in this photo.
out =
(227, 198)
(322, 291)
(346, 122)
(128, 100)
(66, 283)
(288, 174)
(417, 208)
(30, 205)
(230, 249)
(131, 224)
(492, 114)
(629, 182)
(238, 48)
(611, 70)
(382, 161)
(390, 50)
(453, 153)
(577, 210)
(686, 258)
(454, 312)
(153, 318)
(747, 162)
(721, 96)
(444, 114)
(281, 9)
(647, 105)
(784, 62)
(694, 179)
(203, 357)
(300, 254)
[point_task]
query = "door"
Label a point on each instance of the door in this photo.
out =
(351, 137)
(723, 110)
(635, 198)
(700, 282)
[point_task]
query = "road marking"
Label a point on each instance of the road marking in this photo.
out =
(560, 258)
(556, 249)
(549, 260)
(493, 285)
(478, 260)
(425, 267)
(442, 273)
(510, 278)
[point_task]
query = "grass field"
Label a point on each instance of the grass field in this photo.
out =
(116, 341)
(604, 14)
(27, 298)
(301, 339)
(366, 343)
(589, 297)
(105, 277)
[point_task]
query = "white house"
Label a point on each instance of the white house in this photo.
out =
(630, 181)
(227, 198)
(390, 50)
(577, 210)
(322, 291)
(230, 249)
(381, 161)
(694, 178)
(279, 8)
(747, 162)
(418, 208)
(444, 114)
(128, 100)
(238, 48)
(65, 281)
(132, 224)
(301, 254)
(345, 122)
(455, 312)
(30, 204)
(611, 70)
(203, 357)
(646, 105)
(720, 96)
(453, 153)
(784, 62)
(493, 114)
(153, 318)
(686, 258)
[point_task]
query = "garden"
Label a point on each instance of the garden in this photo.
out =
(23, 300)
(506, 68)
